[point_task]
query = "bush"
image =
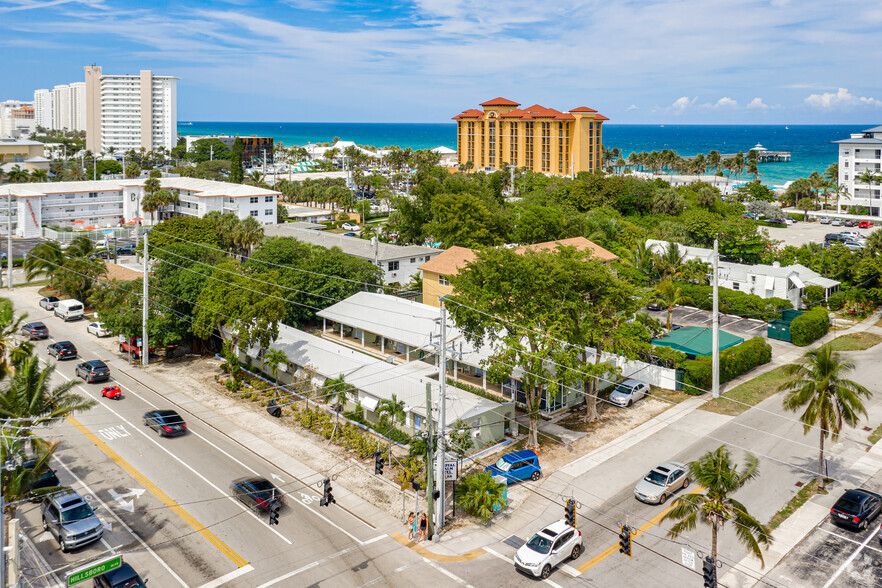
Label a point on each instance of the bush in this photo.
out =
(479, 495)
(813, 295)
(810, 326)
(733, 362)
(736, 303)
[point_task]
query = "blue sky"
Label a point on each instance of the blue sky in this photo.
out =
(678, 61)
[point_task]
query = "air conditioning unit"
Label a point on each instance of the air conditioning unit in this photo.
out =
(476, 434)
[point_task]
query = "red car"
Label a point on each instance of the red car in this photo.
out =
(865, 225)
(112, 392)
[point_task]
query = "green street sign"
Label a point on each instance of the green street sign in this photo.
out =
(92, 570)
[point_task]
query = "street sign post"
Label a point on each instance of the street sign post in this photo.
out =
(451, 467)
(93, 569)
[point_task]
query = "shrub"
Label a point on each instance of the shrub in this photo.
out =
(810, 326)
(479, 495)
(736, 303)
(733, 362)
(813, 294)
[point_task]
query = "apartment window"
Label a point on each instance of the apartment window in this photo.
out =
(846, 163)
(444, 280)
(546, 146)
(268, 212)
(393, 266)
(93, 194)
(413, 260)
(253, 213)
(736, 286)
(268, 198)
(470, 150)
(846, 177)
(491, 144)
(254, 199)
(528, 145)
(513, 144)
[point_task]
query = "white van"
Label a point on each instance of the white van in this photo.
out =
(69, 310)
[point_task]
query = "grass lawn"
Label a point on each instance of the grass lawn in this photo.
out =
(750, 393)
(670, 395)
(794, 503)
(876, 435)
(855, 341)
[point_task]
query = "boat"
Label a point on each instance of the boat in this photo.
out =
(189, 124)
(786, 128)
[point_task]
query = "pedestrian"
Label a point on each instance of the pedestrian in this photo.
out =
(415, 528)
(424, 527)
(410, 526)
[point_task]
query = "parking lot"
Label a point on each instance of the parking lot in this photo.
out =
(687, 316)
(802, 233)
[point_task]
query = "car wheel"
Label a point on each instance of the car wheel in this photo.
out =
(535, 476)
(685, 483)
(546, 571)
(862, 526)
(663, 499)
(630, 402)
(63, 546)
(577, 551)
(45, 526)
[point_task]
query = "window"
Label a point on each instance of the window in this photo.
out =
(736, 286)
(417, 422)
(444, 280)
(268, 198)
(268, 212)
(254, 199)
(393, 266)
(413, 260)
(253, 213)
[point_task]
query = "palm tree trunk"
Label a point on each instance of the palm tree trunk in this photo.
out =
(714, 541)
(821, 462)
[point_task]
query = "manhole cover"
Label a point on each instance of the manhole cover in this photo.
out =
(514, 541)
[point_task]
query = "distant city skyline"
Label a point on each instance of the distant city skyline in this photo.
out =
(666, 62)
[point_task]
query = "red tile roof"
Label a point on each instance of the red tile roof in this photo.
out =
(583, 109)
(499, 102)
(470, 113)
(600, 117)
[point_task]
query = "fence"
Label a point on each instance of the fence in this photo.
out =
(118, 232)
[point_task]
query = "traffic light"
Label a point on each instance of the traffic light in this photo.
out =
(710, 572)
(327, 498)
(570, 513)
(274, 512)
(625, 540)
(378, 463)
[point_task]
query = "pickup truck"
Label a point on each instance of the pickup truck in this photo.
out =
(132, 346)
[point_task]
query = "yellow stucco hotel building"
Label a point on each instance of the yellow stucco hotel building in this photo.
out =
(541, 139)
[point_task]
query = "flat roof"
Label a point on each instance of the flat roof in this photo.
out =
(350, 245)
(696, 341)
(201, 188)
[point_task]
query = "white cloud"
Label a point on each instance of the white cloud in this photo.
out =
(726, 102)
(757, 103)
(681, 104)
(630, 108)
(841, 99)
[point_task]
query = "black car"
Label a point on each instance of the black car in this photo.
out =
(47, 479)
(856, 508)
(62, 350)
(775, 221)
(35, 330)
(122, 577)
(93, 371)
(167, 423)
(257, 493)
(836, 238)
(128, 249)
(655, 303)
(103, 254)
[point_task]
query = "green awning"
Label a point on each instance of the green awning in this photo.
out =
(696, 341)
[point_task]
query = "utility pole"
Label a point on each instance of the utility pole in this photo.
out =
(430, 486)
(9, 236)
(14, 571)
(715, 388)
(145, 348)
(442, 444)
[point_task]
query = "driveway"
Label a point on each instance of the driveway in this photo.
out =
(688, 316)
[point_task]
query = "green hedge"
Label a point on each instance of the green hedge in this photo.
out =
(810, 326)
(736, 303)
(733, 362)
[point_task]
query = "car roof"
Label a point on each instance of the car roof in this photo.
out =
(95, 362)
(554, 529)
(166, 413)
(34, 324)
(120, 574)
(517, 455)
(668, 466)
(60, 343)
(633, 382)
(858, 494)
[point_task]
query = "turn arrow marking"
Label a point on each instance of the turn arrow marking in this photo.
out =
(127, 505)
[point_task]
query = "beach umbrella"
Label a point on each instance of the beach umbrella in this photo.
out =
(89, 228)
(78, 222)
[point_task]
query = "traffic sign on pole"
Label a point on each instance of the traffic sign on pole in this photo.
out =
(93, 569)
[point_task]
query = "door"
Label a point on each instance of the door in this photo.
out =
(520, 470)
(677, 479)
(559, 552)
(52, 518)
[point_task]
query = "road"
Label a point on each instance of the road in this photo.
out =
(167, 506)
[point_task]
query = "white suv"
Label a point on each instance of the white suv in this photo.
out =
(548, 548)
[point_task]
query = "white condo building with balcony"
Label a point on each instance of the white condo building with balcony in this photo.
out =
(112, 203)
(860, 153)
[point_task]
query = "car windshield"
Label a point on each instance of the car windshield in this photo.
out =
(78, 513)
(624, 389)
(539, 544)
(502, 465)
(264, 490)
(656, 478)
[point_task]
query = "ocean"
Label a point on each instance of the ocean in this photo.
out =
(810, 145)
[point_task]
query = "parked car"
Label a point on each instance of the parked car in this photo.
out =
(167, 423)
(132, 346)
(853, 235)
(69, 310)
(849, 223)
(62, 350)
(547, 549)
(257, 493)
(854, 245)
(836, 238)
(97, 329)
(661, 482)
(70, 519)
(350, 226)
(517, 466)
(350, 234)
(122, 577)
(790, 220)
(865, 225)
(856, 508)
(47, 479)
(93, 371)
(775, 221)
(35, 330)
(127, 249)
(629, 392)
(837, 222)
(49, 302)
(655, 303)
(103, 254)
(824, 220)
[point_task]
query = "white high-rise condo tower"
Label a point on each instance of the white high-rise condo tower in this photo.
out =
(862, 153)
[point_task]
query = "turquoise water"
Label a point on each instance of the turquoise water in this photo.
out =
(809, 145)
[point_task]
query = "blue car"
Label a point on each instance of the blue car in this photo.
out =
(517, 466)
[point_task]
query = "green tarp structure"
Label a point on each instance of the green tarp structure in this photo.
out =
(696, 341)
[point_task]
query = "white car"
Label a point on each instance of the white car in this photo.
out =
(97, 329)
(628, 392)
(853, 235)
(546, 549)
(350, 226)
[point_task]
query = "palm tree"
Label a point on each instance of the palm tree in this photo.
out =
(12, 349)
(722, 478)
(394, 410)
(480, 495)
(817, 383)
(272, 359)
(672, 295)
(668, 262)
(248, 233)
(44, 259)
(39, 175)
(640, 258)
(17, 175)
(17, 482)
(868, 177)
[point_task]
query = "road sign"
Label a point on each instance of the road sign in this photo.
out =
(688, 558)
(451, 466)
(93, 569)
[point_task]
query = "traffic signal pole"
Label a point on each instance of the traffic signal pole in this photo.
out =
(430, 486)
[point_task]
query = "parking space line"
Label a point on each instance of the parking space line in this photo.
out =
(849, 539)
(850, 559)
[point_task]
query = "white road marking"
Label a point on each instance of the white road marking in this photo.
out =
(402, 568)
(41, 561)
(227, 577)
(564, 567)
(569, 569)
(757, 328)
(451, 575)
(497, 554)
(307, 567)
(121, 522)
(846, 563)
(849, 539)
(121, 501)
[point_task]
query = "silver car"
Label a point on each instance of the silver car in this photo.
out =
(629, 392)
(70, 519)
(661, 482)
